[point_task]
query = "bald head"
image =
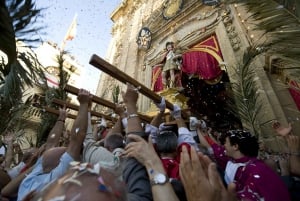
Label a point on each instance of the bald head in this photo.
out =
(85, 185)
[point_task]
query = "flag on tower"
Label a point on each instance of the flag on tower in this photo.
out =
(72, 30)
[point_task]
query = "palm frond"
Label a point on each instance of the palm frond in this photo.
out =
(115, 93)
(13, 114)
(63, 75)
(245, 103)
(280, 30)
(7, 36)
(280, 26)
(24, 15)
(48, 120)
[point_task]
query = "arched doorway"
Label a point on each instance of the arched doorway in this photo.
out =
(205, 82)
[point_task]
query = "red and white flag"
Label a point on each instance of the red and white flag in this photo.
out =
(72, 30)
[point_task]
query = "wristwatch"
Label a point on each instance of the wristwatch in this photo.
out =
(159, 179)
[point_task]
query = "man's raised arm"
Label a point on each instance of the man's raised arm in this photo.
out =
(79, 128)
(56, 132)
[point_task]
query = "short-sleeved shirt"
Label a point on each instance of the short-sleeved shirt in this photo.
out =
(15, 171)
(37, 179)
(94, 153)
(2, 150)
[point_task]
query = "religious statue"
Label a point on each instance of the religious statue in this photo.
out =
(171, 65)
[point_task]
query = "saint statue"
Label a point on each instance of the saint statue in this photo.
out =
(172, 64)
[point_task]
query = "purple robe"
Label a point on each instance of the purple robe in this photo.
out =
(254, 181)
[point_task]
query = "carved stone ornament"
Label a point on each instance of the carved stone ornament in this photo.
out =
(230, 29)
(171, 8)
(144, 38)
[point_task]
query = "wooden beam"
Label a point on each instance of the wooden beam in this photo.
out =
(96, 99)
(76, 108)
(101, 101)
(54, 111)
(106, 67)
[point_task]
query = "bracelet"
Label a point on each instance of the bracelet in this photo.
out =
(132, 116)
(61, 120)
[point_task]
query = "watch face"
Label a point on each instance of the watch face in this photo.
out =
(171, 8)
(160, 178)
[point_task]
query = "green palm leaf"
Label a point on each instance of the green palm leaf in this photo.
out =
(280, 36)
(17, 23)
(48, 120)
(7, 36)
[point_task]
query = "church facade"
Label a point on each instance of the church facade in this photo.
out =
(210, 39)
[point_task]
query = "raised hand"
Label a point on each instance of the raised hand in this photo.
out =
(280, 130)
(9, 137)
(84, 96)
(120, 109)
(62, 113)
(162, 105)
(140, 149)
(131, 95)
(176, 113)
(201, 179)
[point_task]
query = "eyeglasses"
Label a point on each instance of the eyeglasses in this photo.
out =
(240, 134)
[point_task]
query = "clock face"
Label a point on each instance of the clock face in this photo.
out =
(171, 8)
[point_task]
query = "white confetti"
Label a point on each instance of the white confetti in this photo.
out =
(95, 170)
(74, 163)
(58, 198)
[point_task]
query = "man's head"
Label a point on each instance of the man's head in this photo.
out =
(166, 142)
(84, 182)
(27, 156)
(241, 143)
(114, 141)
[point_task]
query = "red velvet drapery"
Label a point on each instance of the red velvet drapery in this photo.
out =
(157, 84)
(202, 64)
(202, 60)
(295, 92)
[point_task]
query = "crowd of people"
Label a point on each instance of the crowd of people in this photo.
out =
(138, 161)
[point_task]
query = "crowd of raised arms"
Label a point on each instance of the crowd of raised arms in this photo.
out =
(138, 161)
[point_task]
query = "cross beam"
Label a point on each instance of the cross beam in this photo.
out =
(106, 67)
(101, 101)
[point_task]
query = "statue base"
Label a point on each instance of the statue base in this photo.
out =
(174, 96)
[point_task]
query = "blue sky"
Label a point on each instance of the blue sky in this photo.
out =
(93, 29)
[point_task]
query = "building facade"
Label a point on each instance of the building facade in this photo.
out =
(211, 40)
(47, 55)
